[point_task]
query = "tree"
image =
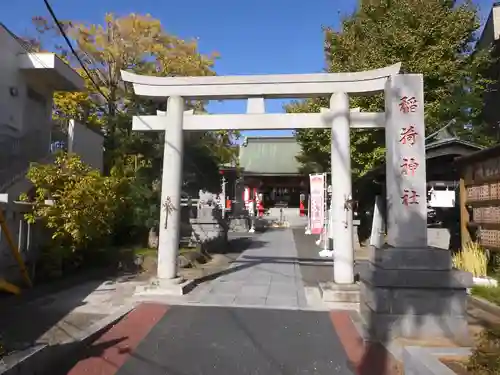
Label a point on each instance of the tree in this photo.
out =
(85, 204)
(431, 37)
(140, 44)
(133, 42)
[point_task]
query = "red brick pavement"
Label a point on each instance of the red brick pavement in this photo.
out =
(368, 358)
(120, 341)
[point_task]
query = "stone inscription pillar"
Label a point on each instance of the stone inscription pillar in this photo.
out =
(343, 251)
(171, 184)
(405, 167)
(409, 289)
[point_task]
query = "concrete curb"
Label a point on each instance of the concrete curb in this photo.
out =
(483, 304)
(172, 302)
(425, 361)
(165, 288)
(40, 357)
(331, 292)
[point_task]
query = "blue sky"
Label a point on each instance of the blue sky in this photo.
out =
(252, 37)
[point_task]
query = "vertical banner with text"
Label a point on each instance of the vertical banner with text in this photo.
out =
(317, 185)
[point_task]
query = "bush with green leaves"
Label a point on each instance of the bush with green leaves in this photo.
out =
(83, 205)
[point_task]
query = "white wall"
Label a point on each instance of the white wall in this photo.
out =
(17, 111)
(491, 29)
(11, 106)
(87, 143)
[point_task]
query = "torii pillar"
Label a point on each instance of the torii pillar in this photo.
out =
(171, 187)
(342, 229)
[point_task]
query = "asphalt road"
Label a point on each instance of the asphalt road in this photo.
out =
(230, 341)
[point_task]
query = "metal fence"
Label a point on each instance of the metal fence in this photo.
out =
(18, 152)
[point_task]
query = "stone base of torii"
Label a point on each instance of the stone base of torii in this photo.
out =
(412, 293)
(408, 289)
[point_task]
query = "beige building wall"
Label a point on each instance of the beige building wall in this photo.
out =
(87, 143)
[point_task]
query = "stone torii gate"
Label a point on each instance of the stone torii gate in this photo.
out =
(403, 121)
(255, 89)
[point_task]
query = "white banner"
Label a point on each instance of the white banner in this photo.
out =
(317, 186)
(442, 198)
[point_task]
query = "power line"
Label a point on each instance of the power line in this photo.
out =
(65, 36)
(68, 42)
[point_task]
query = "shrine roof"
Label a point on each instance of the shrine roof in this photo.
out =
(446, 136)
(478, 156)
(270, 156)
(443, 144)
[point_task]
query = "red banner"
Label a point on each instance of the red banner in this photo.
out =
(317, 202)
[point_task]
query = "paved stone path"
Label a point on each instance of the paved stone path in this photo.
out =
(61, 316)
(265, 274)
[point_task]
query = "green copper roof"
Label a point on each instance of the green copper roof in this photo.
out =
(269, 155)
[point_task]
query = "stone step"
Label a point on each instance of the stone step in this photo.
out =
(331, 292)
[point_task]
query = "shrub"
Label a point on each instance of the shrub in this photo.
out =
(485, 358)
(85, 204)
(140, 210)
(472, 258)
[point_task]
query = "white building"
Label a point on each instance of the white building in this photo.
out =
(27, 85)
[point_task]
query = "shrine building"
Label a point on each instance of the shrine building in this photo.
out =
(268, 165)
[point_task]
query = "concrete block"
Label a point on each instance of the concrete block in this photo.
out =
(165, 287)
(331, 292)
(439, 238)
(415, 303)
(205, 214)
(416, 278)
(425, 361)
(429, 258)
(386, 327)
(419, 301)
